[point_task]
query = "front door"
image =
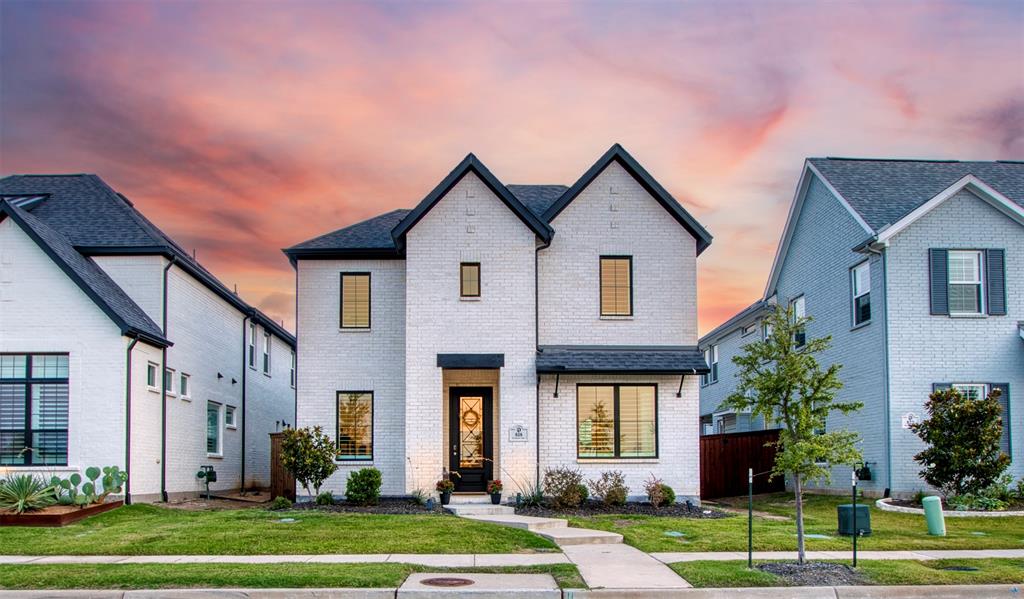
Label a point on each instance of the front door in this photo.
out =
(469, 436)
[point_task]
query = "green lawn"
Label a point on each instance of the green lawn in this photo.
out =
(152, 530)
(167, 576)
(890, 530)
(880, 572)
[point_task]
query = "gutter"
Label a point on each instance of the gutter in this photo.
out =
(245, 368)
(163, 392)
(128, 421)
(536, 341)
(869, 247)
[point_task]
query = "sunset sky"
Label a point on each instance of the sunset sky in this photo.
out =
(244, 127)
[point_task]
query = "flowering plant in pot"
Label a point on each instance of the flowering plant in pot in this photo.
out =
(445, 488)
(495, 487)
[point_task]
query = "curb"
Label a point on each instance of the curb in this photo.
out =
(885, 506)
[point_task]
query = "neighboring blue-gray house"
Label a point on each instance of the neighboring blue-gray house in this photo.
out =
(916, 270)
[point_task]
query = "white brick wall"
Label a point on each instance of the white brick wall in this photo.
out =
(270, 400)
(616, 216)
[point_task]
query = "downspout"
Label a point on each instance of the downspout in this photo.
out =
(163, 392)
(536, 341)
(245, 367)
(886, 370)
(128, 421)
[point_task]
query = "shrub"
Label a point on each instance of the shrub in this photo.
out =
(309, 455)
(668, 495)
(280, 503)
(419, 497)
(325, 498)
(655, 489)
(363, 487)
(24, 493)
(974, 502)
(584, 492)
(532, 496)
(610, 488)
(919, 497)
(562, 486)
(963, 437)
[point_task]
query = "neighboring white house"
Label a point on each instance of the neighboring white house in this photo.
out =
(496, 331)
(95, 303)
(915, 268)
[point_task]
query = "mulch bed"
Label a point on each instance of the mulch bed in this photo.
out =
(596, 508)
(386, 506)
(814, 574)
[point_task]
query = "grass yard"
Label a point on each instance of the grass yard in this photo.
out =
(890, 530)
(880, 572)
(152, 530)
(168, 576)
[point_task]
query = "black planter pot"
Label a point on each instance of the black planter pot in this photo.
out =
(496, 498)
(446, 497)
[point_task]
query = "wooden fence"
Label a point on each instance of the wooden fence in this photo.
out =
(724, 460)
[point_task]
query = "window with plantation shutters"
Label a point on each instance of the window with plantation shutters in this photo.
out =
(616, 421)
(33, 409)
(355, 300)
(616, 286)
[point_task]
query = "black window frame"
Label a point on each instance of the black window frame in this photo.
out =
(616, 423)
(29, 381)
(369, 299)
(337, 427)
(600, 280)
(462, 288)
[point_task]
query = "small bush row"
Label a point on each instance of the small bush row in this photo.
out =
(565, 488)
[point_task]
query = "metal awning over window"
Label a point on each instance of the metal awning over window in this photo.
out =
(620, 360)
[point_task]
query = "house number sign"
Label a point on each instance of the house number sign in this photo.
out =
(518, 433)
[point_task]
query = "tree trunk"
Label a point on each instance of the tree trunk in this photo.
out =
(799, 492)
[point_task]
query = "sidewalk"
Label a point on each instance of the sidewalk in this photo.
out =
(922, 554)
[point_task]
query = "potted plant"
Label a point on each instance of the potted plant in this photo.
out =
(445, 488)
(494, 487)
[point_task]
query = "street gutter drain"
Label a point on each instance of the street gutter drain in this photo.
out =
(447, 582)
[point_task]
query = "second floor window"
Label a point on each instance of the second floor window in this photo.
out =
(266, 353)
(292, 372)
(799, 311)
(252, 345)
(965, 289)
(860, 286)
(469, 279)
(616, 286)
(711, 358)
(355, 300)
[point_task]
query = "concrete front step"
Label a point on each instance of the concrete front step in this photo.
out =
(472, 498)
(525, 522)
(579, 536)
(479, 509)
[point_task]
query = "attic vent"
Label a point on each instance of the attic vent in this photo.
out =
(27, 201)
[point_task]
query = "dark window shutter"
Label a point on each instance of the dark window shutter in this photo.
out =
(995, 281)
(1004, 403)
(938, 263)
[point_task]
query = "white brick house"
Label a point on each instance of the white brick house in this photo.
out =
(496, 331)
(96, 302)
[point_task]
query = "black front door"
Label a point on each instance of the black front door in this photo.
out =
(469, 438)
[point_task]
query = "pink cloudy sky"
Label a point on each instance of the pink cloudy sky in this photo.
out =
(245, 127)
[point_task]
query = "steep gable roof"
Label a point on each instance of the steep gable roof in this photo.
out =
(470, 164)
(370, 238)
(96, 220)
(618, 154)
(90, 278)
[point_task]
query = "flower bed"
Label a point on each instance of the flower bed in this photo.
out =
(56, 515)
(596, 508)
(386, 506)
(887, 505)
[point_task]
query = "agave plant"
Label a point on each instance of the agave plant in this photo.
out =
(24, 493)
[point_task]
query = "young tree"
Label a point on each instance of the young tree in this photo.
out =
(963, 435)
(309, 455)
(780, 380)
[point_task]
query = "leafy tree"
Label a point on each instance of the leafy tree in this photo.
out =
(309, 455)
(780, 380)
(963, 436)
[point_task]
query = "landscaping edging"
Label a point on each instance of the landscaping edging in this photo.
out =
(886, 506)
(59, 519)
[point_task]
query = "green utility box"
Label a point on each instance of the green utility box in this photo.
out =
(845, 512)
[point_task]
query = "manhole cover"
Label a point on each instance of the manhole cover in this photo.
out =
(959, 568)
(446, 582)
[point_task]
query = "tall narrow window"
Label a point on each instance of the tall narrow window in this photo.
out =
(252, 345)
(151, 370)
(33, 409)
(965, 288)
(616, 421)
(266, 353)
(184, 386)
(229, 417)
(355, 300)
(292, 371)
(355, 425)
(169, 380)
(469, 279)
(706, 377)
(714, 364)
(616, 286)
(799, 311)
(860, 287)
(213, 429)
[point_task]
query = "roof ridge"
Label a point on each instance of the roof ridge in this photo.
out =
(921, 160)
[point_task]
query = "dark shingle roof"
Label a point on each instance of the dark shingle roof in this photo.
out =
(622, 360)
(538, 198)
(370, 234)
(97, 220)
(752, 311)
(884, 191)
(88, 276)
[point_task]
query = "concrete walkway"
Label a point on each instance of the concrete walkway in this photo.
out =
(922, 554)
